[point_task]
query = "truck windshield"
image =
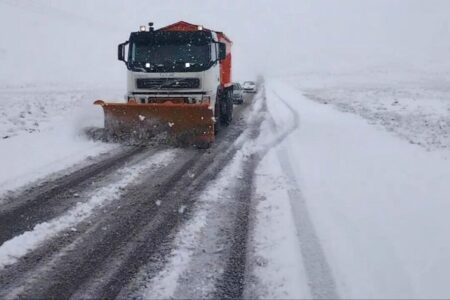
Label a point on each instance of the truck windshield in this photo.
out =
(170, 52)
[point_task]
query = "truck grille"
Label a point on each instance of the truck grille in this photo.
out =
(168, 83)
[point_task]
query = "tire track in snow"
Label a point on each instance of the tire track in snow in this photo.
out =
(233, 281)
(15, 248)
(231, 278)
(213, 239)
(44, 202)
(102, 260)
(178, 193)
(200, 248)
(321, 282)
(235, 275)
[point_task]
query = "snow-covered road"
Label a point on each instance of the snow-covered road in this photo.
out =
(376, 203)
(297, 199)
(110, 225)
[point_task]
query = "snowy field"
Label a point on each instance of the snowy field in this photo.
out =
(414, 106)
(41, 130)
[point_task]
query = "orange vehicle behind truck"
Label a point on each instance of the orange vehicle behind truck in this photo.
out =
(179, 85)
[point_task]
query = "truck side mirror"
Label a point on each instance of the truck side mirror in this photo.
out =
(222, 51)
(121, 51)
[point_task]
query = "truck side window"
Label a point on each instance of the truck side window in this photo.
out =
(213, 51)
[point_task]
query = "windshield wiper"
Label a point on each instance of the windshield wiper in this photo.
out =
(137, 66)
(140, 69)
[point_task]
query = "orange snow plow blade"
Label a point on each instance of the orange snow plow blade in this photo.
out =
(180, 123)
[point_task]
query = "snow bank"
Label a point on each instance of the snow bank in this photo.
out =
(276, 255)
(413, 105)
(379, 204)
(285, 254)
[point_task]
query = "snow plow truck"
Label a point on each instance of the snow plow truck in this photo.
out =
(179, 86)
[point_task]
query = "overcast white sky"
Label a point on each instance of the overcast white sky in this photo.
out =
(62, 40)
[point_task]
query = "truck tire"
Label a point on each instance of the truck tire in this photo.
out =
(226, 109)
(217, 116)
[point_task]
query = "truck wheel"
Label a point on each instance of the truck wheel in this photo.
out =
(217, 116)
(226, 109)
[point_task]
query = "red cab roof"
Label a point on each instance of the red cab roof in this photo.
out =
(185, 26)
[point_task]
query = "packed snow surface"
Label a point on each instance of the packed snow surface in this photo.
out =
(276, 262)
(378, 203)
(42, 130)
(352, 198)
(189, 242)
(415, 106)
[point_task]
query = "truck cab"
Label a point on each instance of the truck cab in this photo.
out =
(180, 63)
